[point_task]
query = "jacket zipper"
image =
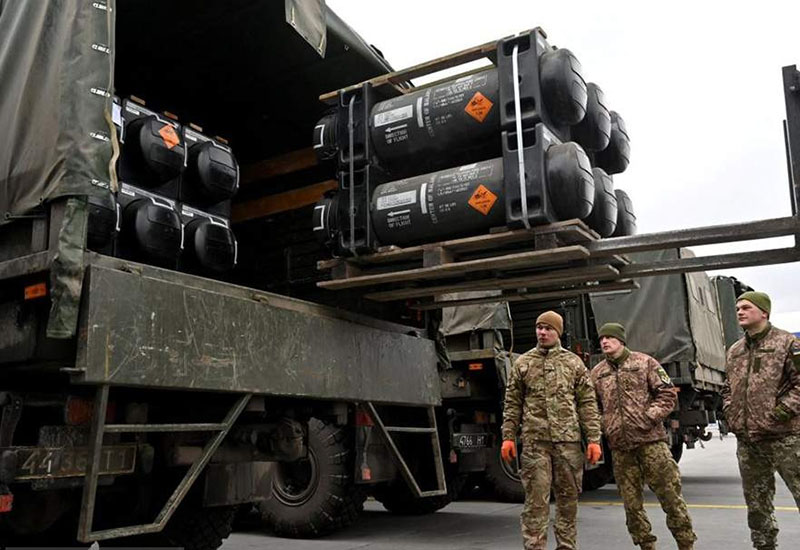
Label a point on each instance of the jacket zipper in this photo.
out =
(619, 404)
(747, 389)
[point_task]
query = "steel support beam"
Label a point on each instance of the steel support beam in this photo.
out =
(791, 90)
(703, 263)
(714, 234)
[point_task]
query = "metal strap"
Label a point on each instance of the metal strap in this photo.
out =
(520, 157)
(350, 131)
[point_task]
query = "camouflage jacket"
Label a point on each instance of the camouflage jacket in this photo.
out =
(550, 395)
(635, 398)
(763, 374)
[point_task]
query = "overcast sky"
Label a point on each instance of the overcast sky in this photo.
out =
(698, 83)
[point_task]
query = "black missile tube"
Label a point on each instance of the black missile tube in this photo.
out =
(460, 121)
(626, 219)
(462, 201)
(615, 158)
(603, 218)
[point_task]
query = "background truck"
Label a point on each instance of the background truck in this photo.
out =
(675, 318)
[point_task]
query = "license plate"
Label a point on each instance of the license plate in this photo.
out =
(470, 441)
(46, 463)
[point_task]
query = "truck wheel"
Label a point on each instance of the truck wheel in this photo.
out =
(398, 499)
(198, 528)
(597, 477)
(503, 478)
(677, 451)
(316, 495)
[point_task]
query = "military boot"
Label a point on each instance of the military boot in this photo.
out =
(648, 546)
(686, 546)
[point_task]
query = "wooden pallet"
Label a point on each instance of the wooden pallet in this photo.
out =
(544, 257)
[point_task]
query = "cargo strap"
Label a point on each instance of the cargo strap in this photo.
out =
(351, 163)
(432, 432)
(518, 121)
(100, 428)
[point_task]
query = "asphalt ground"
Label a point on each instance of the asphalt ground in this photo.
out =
(711, 487)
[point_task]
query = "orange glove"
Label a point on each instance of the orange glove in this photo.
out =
(593, 453)
(509, 450)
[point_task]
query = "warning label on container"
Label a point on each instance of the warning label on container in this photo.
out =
(169, 135)
(479, 107)
(482, 200)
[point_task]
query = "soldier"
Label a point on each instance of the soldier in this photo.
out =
(550, 397)
(761, 402)
(636, 395)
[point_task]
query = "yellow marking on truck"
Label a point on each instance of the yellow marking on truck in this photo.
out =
(707, 506)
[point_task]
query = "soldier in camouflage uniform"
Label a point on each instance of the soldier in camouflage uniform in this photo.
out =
(550, 398)
(636, 395)
(761, 402)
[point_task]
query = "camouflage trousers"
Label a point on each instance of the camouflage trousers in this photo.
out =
(546, 465)
(758, 462)
(652, 464)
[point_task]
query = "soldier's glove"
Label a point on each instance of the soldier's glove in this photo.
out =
(782, 413)
(509, 450)
(593, 453)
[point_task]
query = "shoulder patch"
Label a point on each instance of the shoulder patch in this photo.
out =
(662, 374)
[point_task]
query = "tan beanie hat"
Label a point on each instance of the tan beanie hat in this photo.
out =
(553, 319)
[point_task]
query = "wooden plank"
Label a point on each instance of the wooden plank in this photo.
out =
(415, 71)
(281, 202)
(554, 278)
(437, 255)
(532, 296)
(294, 161)
(509, 261)
(577, 230)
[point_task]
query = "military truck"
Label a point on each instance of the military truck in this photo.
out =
(143, 400)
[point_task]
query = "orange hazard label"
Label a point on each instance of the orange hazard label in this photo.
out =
(170, 136)
(478, 107)
(482, 200)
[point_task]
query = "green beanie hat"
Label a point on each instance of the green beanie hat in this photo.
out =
(614, 330)
(759, 299)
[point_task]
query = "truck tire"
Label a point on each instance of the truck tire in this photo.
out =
(597, 477)
(198, 528)
(677, 451)
(317, 495)
(398, 499)
(503, 478)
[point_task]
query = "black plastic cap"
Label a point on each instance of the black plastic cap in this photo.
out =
(563, 87)
(325, 145)
(210, 246)
(615, 158)
(102, 224)
(626, 219)
(154, 231)
(212, 172)
(325, 221)
(570, 184)
(603, 218)
(594, 131)
(156, 149)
